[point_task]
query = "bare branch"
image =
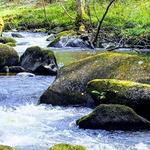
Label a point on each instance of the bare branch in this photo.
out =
(101, 22)
(66, 11)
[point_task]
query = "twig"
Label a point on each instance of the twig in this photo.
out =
(66, 11)
(101, 22)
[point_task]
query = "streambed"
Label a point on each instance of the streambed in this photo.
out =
(28, 126)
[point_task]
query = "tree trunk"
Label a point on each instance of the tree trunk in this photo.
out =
(81, 14)
(1, 26)
(101, 22)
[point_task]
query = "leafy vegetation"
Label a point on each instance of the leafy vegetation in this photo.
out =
(130, 17)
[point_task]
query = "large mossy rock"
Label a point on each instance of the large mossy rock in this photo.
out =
(113, 117)
(70, 86)
(2, 147)
(112, 91)
(67, 147)
(8, 56)
(40, 61)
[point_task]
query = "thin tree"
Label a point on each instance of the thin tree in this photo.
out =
(81, 14)
(101, 22)
(1, 26)
(45, 13)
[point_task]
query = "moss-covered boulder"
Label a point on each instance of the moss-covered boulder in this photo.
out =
(112, 91)
(67, 147)
(7, 40)
(8, 56)
(70, 86)
(70, 39)
(3, 147)
(113, 117)
(56, 40)
(39, 60)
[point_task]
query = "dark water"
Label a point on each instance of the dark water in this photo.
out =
(28, 126)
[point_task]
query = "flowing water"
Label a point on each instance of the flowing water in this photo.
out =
(28, 126)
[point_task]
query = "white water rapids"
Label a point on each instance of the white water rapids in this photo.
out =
(28, 126)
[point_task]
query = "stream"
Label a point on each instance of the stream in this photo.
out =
(26, 125)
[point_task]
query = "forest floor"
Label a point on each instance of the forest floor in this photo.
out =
(129, 20)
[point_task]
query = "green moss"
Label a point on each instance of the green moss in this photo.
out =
(111, 108)
(11, 44)
(8, 56)
(116, 85)
(6, 40)
(70, 57)
(114, 65)
(107, 65)
(103, 90)
(132, 94)
(2, 147)
(67, 147)
(113, 117)
(40, 51)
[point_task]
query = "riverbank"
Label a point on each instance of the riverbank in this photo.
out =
(126, 23)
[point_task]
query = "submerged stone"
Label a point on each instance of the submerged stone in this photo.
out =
(113, 117)
(17, 35)
(25, 74)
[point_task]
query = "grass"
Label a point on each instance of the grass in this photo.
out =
(130, 17)
(33, 16)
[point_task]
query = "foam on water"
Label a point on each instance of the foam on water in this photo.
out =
(28, 126)
(29, 39)
(33, 127)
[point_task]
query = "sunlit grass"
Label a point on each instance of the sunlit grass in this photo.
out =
(131, 17)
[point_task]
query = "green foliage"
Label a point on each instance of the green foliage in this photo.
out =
(130, 17)
(100, 95)
(33, 16)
